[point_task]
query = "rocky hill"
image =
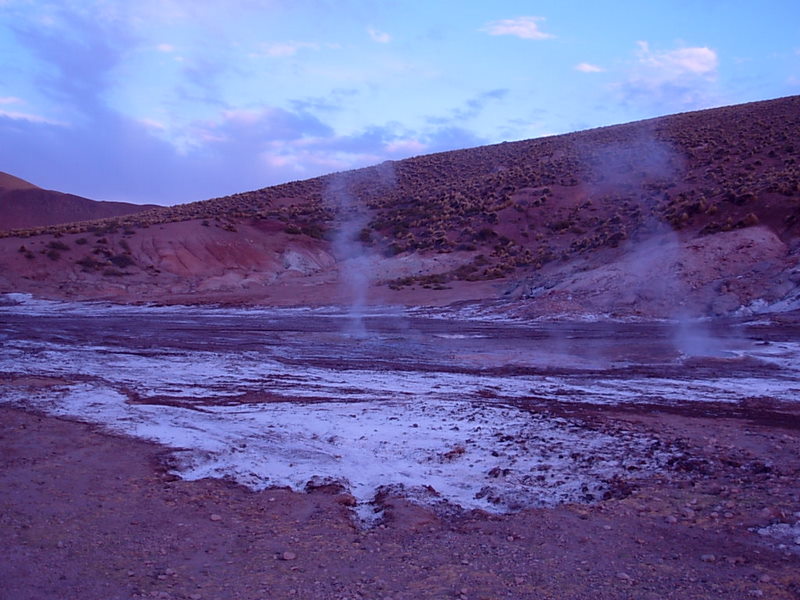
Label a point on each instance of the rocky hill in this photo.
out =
(24, 206)
(695, 213)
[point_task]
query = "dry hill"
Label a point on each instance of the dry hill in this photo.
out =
(690, 213)
(24, 205)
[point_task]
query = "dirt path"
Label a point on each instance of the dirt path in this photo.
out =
(90, 516)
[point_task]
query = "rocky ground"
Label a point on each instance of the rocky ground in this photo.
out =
(93, 516)
(696, 218)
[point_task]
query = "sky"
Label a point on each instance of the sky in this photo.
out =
(171, 101)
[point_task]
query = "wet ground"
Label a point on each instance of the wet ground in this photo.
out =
(542, 459)
(448, 406)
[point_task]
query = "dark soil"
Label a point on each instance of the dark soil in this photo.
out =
(86, 515)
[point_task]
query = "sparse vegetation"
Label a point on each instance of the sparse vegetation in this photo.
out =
(121, 260)
(57, 245)
(524, 204)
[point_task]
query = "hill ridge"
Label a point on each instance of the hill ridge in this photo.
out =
(512, 220)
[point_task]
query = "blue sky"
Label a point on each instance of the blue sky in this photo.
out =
(169, 101)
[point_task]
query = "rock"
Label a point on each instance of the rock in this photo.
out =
(671, 519)
(325, 485)
(216, 517)
(709, 558)
(624, 576)
(288, 555)
(725, 304)
(346, 499)
(767, 513)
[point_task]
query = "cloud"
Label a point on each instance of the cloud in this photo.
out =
(471, 108)
(202, 80)
(585, 67)
(333, 101)
(522, 27)
(80, 50)
(23, 116)
(406, 147)
(198, 142)
(700, 61)
(267, 124)
(282, 49)
(671, 80)
(379, 36)
(112, 157)
(18, 115)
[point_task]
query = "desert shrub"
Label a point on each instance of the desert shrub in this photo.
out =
(316, 231)
(121, 260)
(560, 225)
(750, 220)
(57, 245)
(365, 236)
(53, 254)
(81, 241)
(393, 249)
(485, 234)
(89, 264)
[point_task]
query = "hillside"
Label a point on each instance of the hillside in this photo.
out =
(697, 213)
(24, 206)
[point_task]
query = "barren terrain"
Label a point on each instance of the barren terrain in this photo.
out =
(442, 454)
(690, 214)
(561, 368)
(24, 205)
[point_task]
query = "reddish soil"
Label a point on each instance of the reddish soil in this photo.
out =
(24, 205)
(688, 214)
(695, 213)
(86, 515)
